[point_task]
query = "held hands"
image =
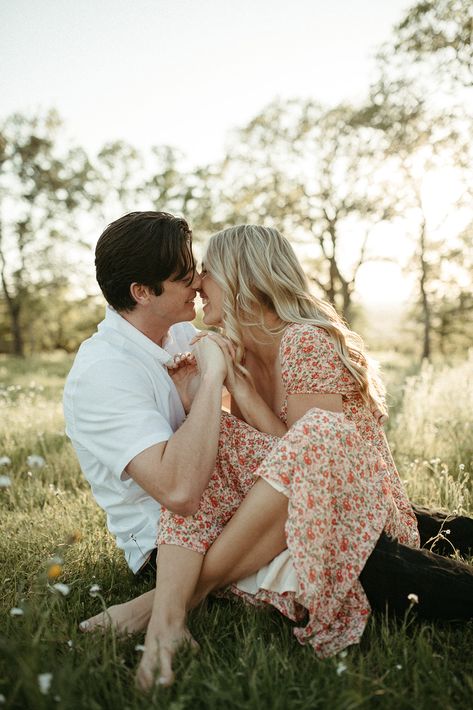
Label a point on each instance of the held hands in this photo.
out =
(235, 382)
(184, 373)
(209, 356)
(187, 369)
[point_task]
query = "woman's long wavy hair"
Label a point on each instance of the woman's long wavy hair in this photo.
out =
(257, 270)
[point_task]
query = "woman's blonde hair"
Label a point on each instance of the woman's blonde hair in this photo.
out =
(257, 270)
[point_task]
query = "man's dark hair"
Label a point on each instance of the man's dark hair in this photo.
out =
(142, 247)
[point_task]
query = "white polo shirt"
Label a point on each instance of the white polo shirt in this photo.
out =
(118, 401)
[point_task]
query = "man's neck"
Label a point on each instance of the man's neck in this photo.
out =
(156, 332)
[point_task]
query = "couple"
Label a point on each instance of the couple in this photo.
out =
(292, 499)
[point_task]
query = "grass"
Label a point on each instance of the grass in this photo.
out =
(248, 658)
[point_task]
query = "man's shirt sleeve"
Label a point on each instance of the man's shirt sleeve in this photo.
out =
(115, 415)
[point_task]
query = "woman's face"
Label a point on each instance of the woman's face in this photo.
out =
(212, 298)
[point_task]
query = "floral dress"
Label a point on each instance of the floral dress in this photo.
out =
(342, 486)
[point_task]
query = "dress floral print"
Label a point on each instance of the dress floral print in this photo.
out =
(342, 487)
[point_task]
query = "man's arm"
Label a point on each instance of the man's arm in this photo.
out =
(177, 471)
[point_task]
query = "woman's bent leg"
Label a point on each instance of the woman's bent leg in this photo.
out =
(251, 539)
(178, 570)
(442, 586)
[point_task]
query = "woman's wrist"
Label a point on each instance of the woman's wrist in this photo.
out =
(243, 394)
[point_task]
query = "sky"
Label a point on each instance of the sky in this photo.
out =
(186, 72)
(183, 72)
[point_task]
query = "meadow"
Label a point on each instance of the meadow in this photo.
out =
(52, 533)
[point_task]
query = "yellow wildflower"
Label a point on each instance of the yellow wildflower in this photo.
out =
(54, 571)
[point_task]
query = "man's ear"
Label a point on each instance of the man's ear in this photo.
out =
(140, 293)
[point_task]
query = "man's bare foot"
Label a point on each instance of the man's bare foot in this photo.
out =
(128, 618)
(159, 652)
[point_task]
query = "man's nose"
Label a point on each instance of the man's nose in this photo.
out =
(197, 280)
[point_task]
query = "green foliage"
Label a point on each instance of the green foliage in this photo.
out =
(316, 174)
(330, 177)
(442, 31)
(249, 657)
(42, 187)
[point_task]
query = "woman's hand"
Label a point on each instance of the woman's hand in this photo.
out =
(236, 383)
(380, 417)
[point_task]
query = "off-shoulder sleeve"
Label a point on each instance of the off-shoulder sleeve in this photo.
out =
(310, 363)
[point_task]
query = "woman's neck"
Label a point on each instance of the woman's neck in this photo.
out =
(264, 346)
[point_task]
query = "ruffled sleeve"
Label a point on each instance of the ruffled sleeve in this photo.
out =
(310, 363)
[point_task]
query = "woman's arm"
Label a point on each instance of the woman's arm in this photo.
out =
(246, 403)
(249, 406)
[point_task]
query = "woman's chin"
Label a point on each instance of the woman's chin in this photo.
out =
(209, 321)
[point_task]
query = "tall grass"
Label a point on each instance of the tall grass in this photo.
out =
(435, 421)
(248, 658)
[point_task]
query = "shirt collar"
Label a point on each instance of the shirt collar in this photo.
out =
(117, 323)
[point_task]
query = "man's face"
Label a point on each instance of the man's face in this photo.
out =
(176, 303)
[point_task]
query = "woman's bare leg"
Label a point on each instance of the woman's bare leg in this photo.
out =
(256, 529)
(251, 539)
(177, 571)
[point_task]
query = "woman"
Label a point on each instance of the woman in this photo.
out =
(302, 462)
(296, 372)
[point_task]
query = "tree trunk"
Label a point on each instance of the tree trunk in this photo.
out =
(18, 344)
(14, 309)
(426, 315)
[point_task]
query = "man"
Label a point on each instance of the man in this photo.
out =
(123, 413)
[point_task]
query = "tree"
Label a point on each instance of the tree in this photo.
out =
(160, 180)
(42, 188)
(440, 32)
(315, 174)
(422, 142)
(192, 193)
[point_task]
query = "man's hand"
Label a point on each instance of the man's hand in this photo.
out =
(184, 373)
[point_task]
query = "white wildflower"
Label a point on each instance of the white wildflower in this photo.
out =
(398, 666)
(70, 644)
(2, 699)
(140, 647)
(44, 682)
(94, 590)
(413, 598)
(6, 461)
(56, 560)
(16, 611)
(343, 654)
(461, 466)
(5, 481)
(63, 589)
(341, 668)
(35, 461)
